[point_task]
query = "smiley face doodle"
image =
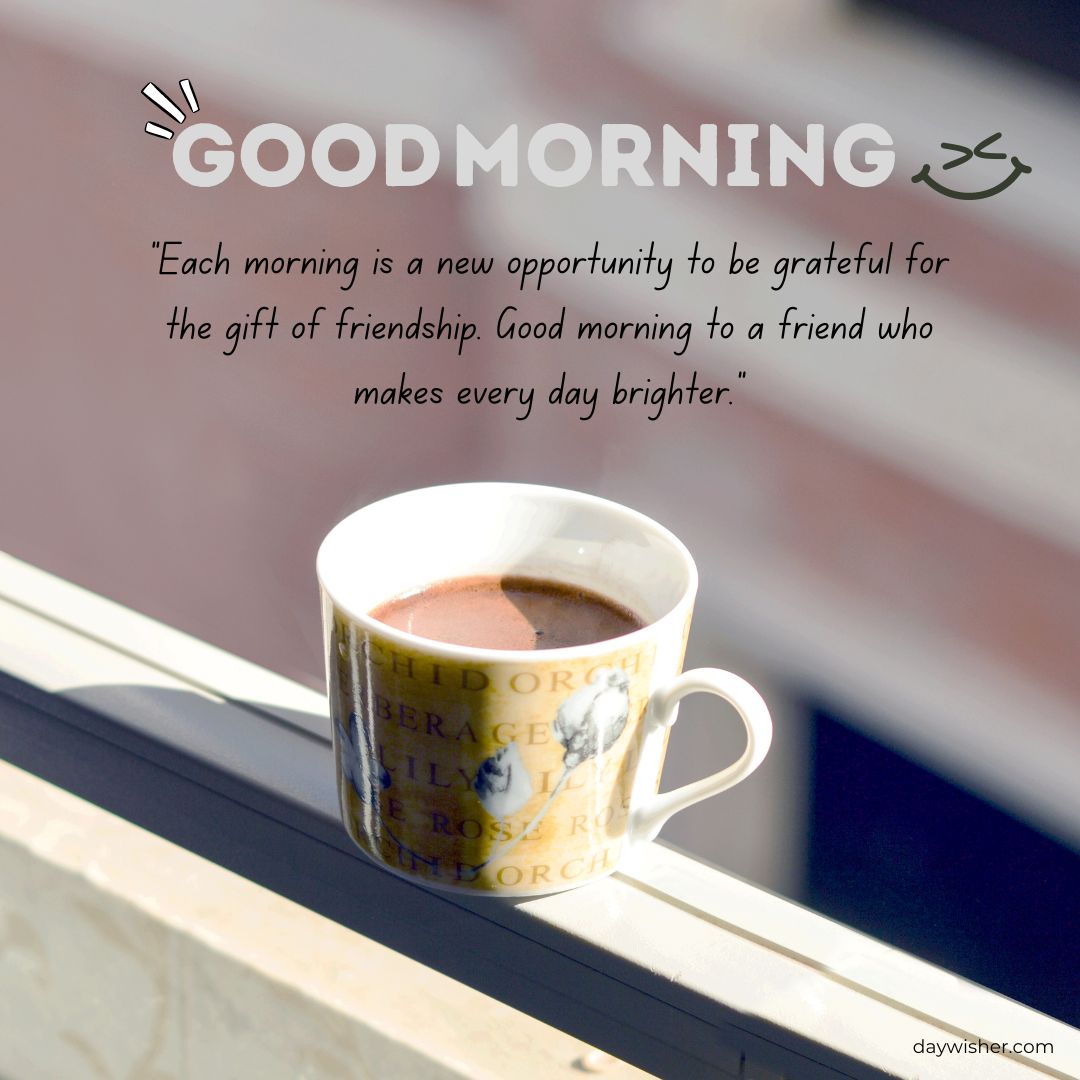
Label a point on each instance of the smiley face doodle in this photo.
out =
(966, 154)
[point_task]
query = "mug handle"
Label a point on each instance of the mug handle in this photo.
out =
(648, 818)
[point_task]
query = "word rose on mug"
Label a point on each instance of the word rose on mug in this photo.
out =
(503, 686)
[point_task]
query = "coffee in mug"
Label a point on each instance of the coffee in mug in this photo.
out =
(492, 611)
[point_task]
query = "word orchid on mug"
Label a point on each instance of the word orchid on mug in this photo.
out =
(504, 670)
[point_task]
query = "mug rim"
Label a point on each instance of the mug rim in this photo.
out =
(476, 655)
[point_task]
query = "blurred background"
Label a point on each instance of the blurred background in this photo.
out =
(888, 534)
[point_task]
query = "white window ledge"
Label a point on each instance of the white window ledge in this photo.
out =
(671, 965)
(122, 955)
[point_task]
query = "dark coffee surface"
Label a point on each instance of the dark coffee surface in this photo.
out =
(494, 612)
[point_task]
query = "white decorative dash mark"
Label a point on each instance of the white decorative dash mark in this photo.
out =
(166, 104)
(189, 94)
(163, 102)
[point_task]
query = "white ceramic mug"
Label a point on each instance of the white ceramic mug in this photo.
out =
(512, 772)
